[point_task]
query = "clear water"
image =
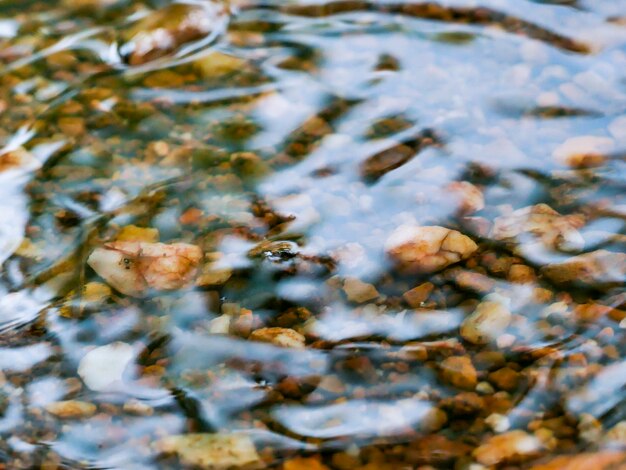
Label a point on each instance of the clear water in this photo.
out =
(357, 116)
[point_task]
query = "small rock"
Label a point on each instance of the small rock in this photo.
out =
(547, 438)
(249, 164)
(217, 64)
(505, 447)
(277, 250)
(486, 323)
(498, 422)
(585, 151)
(134, 267)
(616, 436)
(284, 337)
(213, 276)
(211, 451)
(542, 223)
(132, 233)
(345, 460)
(418, 295)
(470, 198)
(505, 379)
(433, 420)
(413, 352)
(138, 408)
(103, 367)
(505, 340)
(464, 404)
(521, 274)
(96, 292)
(304, 463)
(359, 291)
(20, 158)
(381, 163)
(485, 388)
(165, 31)
(71, 409)
(332, 384)
(459, 372)
(89, 5)
(593, 312)
(72, 126)
(220, 325)
(192, 216)
(470, 280)
(436, 450)
(596, 267)
(28, 249)
(416, 249)
(489, 360)
(603, 460)
(589, 428)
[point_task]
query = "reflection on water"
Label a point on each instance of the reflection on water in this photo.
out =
(399, 234)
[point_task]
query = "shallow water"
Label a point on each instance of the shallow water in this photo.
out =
(289, 140)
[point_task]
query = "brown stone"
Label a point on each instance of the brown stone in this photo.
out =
(216, 451)
(505, 379)
(475, 281)
(435, 450)
(596, 267)
(416, 296)
(469, 197)
(521, 274)
(359, 291)
(165, 30)
(459, 372)
(489, 360)
(510, 446)
(585, 151)
(284, 337)
(603, 460)
(332, 384)
(415, 249)
(433, 420)
(486, 323)
(464, 404)
(499, 402)
(304, 463)
(72, 126)
(71, 409)
(413, 352)
(345, 461)
(543, 223)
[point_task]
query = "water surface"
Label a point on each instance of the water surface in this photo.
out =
(289, 139)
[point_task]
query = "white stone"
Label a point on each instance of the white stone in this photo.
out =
(103, 368)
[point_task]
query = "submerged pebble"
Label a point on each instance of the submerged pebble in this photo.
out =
(502, 448)
(103, 368)
(166, 30)
(284, 337)
(312, 235)
(584, 151)
(459, 372)
(540, 223)
(416, 249)
(133, 267)
(487, 322)
(359, 291)
(211, 451)
(71, 409)
(596, 267)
